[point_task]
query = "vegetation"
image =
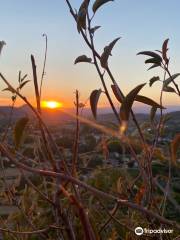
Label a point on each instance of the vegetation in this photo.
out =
(63, 193)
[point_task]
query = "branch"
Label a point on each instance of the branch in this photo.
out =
(93, 190)
(76, 141)
(36, 84)
(26, 232)
(44, 65)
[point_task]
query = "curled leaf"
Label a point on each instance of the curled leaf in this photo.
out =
(153, 80)
(164, 51)
(174, 147)
(98, 3)
(94, 29)
(107, 52)
(155, 59)
(81, 19)
(128, 102)
(94, 97)
(81, 16)
(82, 58)
(151, 54)
(19, 130)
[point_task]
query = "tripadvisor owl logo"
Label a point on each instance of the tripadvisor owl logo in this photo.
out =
(139, 231)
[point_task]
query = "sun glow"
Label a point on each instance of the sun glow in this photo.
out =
(51, 104)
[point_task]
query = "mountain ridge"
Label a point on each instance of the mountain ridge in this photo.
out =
(66, 114)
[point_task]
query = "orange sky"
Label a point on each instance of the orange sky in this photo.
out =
(22, 30)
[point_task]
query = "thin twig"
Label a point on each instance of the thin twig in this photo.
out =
(76, 141)
(93, 190)
(44, 65)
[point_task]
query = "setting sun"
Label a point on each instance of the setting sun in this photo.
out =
(51, 104)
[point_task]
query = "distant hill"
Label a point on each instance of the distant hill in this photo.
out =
(17, 112)
(66, 114)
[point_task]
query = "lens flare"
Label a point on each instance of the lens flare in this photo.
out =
(51, 104)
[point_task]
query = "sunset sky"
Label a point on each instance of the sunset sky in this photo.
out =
(143, 25)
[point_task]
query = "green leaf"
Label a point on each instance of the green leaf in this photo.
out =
(23, 84)
(164, 51)
(98, 3)
(153, 80)
(128, 102)
(107, 52)
(82, 58)
(170, 79)
(151, 54)
(117, 93)
(19, 130)
(94, 97)
(148, 101)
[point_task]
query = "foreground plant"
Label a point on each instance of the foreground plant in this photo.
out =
(54, 203)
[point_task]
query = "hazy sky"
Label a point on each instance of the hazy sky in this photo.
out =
(143, 25)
